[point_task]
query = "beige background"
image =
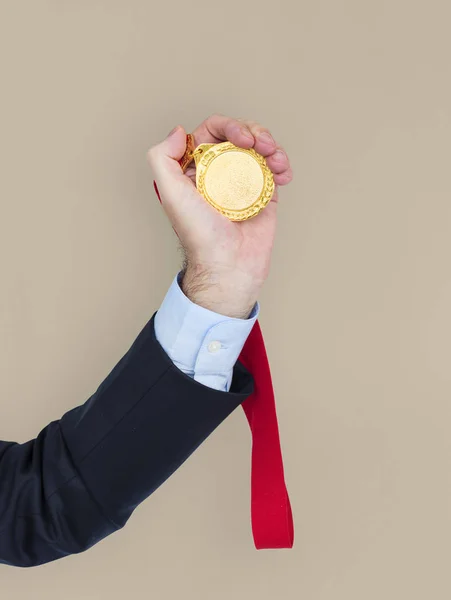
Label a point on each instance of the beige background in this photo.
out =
(356, 312)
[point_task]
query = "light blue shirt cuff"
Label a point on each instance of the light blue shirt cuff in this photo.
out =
(203, 344)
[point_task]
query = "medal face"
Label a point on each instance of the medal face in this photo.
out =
(235, 181)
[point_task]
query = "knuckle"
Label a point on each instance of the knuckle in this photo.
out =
(214, 117)
(288, 176)
(254, 125)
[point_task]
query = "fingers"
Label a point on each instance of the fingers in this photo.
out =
(163, 158)
(276, 157)
(246, 134)
(264, 141)
(219, 128)
(280, 166)
(283, 178)
(278, 161)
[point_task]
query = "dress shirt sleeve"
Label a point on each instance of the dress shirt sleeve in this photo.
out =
(203, 344)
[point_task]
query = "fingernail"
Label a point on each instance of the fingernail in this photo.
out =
(265, 137)
(173, 131)
(279, 155)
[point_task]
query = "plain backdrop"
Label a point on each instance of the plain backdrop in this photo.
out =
(356, 312)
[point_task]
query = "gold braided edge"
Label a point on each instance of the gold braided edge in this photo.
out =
(259, 204)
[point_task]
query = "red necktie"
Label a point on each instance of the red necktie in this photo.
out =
(272, 521)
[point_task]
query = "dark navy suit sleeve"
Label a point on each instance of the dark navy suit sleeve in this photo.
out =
(83, 476)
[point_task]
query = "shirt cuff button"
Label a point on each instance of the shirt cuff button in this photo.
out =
(214, 347)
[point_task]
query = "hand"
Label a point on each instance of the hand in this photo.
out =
(226, 262)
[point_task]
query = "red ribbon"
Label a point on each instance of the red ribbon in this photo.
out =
(272, 520)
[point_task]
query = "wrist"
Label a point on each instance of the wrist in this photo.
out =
(226, 291)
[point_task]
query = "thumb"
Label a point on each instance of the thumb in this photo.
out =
(174, 145)
(164, 157)
(176, 192)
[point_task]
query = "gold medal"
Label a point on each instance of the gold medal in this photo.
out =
(237, 182)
